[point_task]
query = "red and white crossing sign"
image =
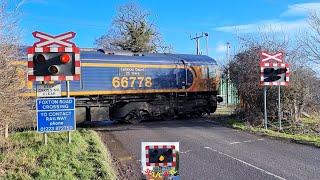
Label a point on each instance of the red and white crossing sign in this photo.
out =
(54, 58)
(48, 40)
(273, 69)
(267, 57)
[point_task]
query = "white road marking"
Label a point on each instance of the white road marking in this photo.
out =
(246, 163)
(185, 152)
(235, 142)
(247, 141)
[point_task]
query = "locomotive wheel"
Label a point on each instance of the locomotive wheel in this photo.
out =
(196, 114)
(169, 115)
(135, 117)
(199, 113)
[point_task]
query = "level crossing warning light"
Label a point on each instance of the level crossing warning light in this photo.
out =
(53, 58)
(273, 69)
(160, 159)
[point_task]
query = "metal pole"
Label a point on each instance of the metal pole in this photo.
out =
(279, 103)
(197, 38)
(68, 88)
(45, 137)
(198, 46)
(228, 75)
(207, 39)
(68, 95)
(6, 130)
(265, 107)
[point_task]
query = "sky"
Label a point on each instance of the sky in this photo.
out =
(176, 20)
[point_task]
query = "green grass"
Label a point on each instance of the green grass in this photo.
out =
(310, 121)
(25, 157)
(301, 138)
(234, 123)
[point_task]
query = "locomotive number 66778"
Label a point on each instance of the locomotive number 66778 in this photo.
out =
(132, 81)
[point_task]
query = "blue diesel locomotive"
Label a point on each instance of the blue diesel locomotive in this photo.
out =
(139, 86)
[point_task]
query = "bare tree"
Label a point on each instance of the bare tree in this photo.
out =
(301, 95)
(311, 40)
(12, 103)
(131, 30)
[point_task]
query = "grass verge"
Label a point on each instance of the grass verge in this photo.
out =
(23, 156)
(310, 139)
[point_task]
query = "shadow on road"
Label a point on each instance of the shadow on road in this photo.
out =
(196, 123)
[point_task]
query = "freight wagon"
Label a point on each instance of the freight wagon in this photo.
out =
(141, 86)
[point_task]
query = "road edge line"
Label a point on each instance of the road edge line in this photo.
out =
(246, 163)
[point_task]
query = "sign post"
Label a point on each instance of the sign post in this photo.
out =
(273, 72)
(265, 107)
(45, 138)
(68, 96)
(54, 58)
(279, 106)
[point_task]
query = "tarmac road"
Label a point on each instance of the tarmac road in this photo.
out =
(210, 151)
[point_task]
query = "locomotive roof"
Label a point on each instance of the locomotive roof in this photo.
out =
(148, 58)
(94, 56)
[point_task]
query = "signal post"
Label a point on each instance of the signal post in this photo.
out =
(52, 60)
(273, 72)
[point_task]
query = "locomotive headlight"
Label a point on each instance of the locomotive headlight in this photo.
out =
(54, 69)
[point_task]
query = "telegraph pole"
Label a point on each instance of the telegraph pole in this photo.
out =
(197, 39)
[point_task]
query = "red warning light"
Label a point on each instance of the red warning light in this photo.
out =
(64, 58)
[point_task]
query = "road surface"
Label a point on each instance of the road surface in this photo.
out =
(211, 151)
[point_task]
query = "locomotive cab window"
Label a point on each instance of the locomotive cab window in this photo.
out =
(212, 71)
(204, 71)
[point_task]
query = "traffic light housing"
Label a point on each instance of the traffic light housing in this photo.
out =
(53, 58)
(274, 74)
(164, 155)
(54, 64)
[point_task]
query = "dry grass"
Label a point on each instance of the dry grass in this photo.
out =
(23, 156)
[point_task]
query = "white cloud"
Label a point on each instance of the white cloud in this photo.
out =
(277, 25)
(221, 48)
(301, 9)
(265, 26)
(23, 2)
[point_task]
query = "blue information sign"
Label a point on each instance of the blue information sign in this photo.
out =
(55, 114)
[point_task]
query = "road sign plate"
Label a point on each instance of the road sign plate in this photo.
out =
(55, 114)
(48, 90)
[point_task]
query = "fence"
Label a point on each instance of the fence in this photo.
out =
(228, 92)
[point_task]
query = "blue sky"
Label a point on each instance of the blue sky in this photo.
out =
(176, 19)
